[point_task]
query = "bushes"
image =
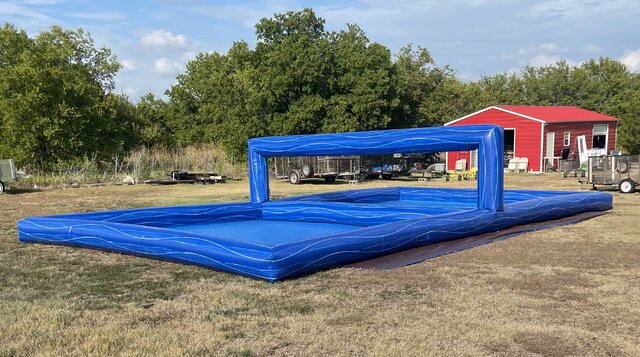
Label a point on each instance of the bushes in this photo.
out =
(142, 163)
(157, 162)
(55, 91)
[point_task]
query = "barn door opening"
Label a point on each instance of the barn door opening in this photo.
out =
(509, 145)
(549, 153)
(600, 136)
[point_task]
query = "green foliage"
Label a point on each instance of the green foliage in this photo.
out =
(429, 95)
(299, 79)
(149, 120)
(602, 85)
(57, 105)
(629, 131)
(52, 97)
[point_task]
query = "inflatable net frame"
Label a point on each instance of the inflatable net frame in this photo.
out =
(281, 239)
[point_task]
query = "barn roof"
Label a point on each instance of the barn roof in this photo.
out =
(551, 114)
(546, 114)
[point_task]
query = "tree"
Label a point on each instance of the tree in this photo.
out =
(299, 79)
(413, 82)
(52, 97)
(362, 94)
(302, 79)
(430, 95)
(150, 122)
(629, 131)
(603, 85)
(217, 100)
(503, 88)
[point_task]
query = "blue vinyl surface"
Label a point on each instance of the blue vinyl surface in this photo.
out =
(264, 232)
(275, 240)
(487, 139)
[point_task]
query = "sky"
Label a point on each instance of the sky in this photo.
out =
(153, 40)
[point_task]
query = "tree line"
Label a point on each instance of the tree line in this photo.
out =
(58, 104)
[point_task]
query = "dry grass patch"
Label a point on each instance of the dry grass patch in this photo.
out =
(572, 290)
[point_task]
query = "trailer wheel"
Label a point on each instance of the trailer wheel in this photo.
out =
(627, 186)
(386, 176)
(622, 167)
(1, 187)
(307, 170)
(330, 179)
(364, 173)
(294, 177)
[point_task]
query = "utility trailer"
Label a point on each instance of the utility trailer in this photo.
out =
(179, 176)
(7, 173)
(619, 171)
(297, 168)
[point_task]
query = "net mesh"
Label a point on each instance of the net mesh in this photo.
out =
(407, 179)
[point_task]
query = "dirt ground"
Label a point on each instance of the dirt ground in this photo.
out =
(572, 290)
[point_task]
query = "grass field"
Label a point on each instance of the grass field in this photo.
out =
(572, 290)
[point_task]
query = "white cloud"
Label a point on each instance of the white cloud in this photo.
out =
(543, 59)
(537, 56)
(130, 92)
(128, 65)
(166, 66)
(188, 56)
(99, 16)
(161, 38)
(246, 15)
(362, 12)
(11, 9)
(545, 48)
(550, 47)
(631, 59)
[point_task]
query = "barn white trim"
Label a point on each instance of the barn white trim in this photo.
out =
(496, 108)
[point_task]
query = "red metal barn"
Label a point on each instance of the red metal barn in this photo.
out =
(539, 133)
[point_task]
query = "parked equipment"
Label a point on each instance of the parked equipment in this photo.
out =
(383, 166)
(180, 176)
(297, 168)
(432, 171)
(7, 173)
(388, 166)
(619, 171)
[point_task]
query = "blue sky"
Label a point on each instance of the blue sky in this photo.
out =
(154, 39)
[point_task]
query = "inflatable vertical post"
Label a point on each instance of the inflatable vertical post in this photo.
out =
(488, 139)
(258, 177)
(490, 170)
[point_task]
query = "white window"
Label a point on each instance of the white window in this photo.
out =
(567, 138)
(600, 136)
(600, 129)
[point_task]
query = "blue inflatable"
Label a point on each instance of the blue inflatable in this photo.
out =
(275, 240)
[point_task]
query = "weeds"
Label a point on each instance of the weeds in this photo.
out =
(141, 164)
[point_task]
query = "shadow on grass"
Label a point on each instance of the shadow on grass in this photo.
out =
(11, 191)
